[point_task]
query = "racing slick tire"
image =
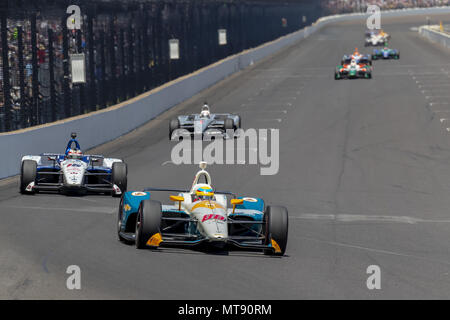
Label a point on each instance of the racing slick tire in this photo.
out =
(148, 222)
(228, 124)
(336, 76)
(276, 227)
(239, 123)
(28, 172)
(173, 125)
(119, 176)
(119, 223)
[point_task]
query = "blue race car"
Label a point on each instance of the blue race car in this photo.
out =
(385, 53)
(201, 216)
(72, 172)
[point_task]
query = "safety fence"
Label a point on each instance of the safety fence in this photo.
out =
(127, 46)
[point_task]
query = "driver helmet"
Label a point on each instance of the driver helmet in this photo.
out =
(74, 154)
(204, 193)
(353, 63)
(205, 111)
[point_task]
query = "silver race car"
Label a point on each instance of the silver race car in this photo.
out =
(205, 125)
(72, 172)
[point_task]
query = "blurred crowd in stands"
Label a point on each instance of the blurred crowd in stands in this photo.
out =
(42, 56)
(346, 6)
(45, 23)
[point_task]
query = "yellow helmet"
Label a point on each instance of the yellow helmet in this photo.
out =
(204, 192)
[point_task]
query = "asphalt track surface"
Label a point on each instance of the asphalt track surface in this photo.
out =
(364, 171)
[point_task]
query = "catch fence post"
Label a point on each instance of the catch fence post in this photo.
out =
(6, 82)
(81, 86)
(51, 65)
(112, 54)
(91, 46)
(66, 76)
(123, 76)
(23, 104)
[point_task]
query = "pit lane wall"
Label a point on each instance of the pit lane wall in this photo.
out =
(108, 124)
(433, 34)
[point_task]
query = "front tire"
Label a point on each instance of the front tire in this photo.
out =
(238, 125)
(28, 173)
(277, 222)
(173, 125)
(119, 176)
(229, 124)
(148, 222)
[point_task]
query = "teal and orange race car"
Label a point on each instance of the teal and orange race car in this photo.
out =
(201, 217)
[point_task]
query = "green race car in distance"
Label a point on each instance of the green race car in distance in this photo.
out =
(385, 53)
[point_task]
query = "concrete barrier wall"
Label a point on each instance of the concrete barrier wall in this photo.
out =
(435, 36)
(108, 124)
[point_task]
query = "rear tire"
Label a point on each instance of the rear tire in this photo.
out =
(27, 175)
(119, 176)
(173, 125)
(239, 123)
(229, 124)
(148, 222)
(277, 223)
(119, 222)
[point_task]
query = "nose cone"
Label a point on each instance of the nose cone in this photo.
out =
(212, 218)
(73, 173)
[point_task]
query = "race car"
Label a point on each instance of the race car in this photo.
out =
(201, 217)
(205, 125)
(358, 57)
(384, 35)
(376, 37)
(380, 32)
(374, 40)
(353, 70)
(386, 53)
(72, 172)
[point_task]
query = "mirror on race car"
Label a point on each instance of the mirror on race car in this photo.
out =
(178, 199)
(235, 202)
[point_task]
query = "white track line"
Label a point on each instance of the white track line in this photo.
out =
(366, 218)
(374, 250)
